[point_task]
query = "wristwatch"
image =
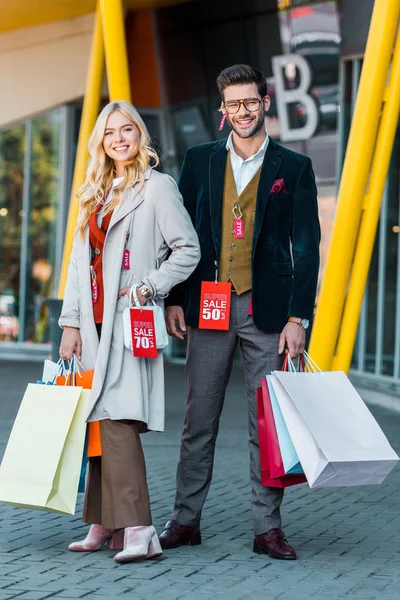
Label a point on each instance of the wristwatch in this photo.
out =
(304, 323)
(145, 291)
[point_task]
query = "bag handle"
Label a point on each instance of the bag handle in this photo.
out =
(135, 301)
(288, 364)
(76, 368)
(311, 364)
(60, 371)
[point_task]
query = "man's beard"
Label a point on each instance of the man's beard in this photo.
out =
(256, 126)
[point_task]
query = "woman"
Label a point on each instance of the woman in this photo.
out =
(132, 229)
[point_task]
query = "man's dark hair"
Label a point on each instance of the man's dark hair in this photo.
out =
(239, 75)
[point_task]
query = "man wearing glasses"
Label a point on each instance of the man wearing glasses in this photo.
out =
(254, 206)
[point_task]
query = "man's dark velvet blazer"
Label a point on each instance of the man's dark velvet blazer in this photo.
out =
(285, 257)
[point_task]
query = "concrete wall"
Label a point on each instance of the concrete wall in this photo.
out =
(43, 66)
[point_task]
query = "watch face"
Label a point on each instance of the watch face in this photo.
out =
(305, 323)
(144, 290)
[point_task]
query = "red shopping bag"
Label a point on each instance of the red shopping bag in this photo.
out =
(270, 456)
(85, 380)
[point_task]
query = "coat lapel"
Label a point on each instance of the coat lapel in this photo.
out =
(217, 176)
(269, 170)
(131, 200)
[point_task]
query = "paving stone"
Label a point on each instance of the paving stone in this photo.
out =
(346, 538)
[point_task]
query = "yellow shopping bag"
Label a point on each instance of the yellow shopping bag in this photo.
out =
(42, 461)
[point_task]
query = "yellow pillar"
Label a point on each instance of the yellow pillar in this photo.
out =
(370, 219)
(354, 179)
(90, 110)
(112, 17)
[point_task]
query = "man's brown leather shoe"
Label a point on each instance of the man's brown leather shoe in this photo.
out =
(275, 544)
(174, 535)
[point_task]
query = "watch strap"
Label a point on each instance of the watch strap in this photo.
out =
(296, 320)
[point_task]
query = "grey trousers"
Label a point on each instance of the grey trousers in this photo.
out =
(209, 364)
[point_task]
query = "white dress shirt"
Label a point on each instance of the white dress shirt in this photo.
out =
(244, 170)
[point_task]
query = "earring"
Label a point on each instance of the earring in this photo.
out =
(222, 123)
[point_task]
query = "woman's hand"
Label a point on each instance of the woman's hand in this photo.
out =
(71, 343)
(125, 291)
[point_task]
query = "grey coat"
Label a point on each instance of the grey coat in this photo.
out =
(164, 251)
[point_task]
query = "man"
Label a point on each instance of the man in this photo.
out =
(254, 206)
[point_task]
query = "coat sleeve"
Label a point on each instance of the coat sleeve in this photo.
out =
(70, 316)
(305, 237)
(180, 236)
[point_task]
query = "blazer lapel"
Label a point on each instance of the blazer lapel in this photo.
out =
(216, 186)
(269, 170)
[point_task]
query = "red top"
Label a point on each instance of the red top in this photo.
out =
(97, 235)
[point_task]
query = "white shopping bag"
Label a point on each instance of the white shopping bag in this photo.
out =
(338, 441)
(50, 371)
(42, 462)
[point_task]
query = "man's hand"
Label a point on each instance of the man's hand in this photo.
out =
(172, 315)
(71, 343)
(293, 337)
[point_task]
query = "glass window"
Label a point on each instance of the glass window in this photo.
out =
(392, 244)
(372, 299)
(42, 224)
(12, 148)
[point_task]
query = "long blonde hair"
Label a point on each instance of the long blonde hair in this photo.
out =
(100, 171)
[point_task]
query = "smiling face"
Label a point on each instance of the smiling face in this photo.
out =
(246, 123)
(121, 140)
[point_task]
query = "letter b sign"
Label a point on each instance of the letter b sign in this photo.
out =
(285, 97)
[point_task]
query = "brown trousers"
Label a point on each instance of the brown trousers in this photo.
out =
(117, 495)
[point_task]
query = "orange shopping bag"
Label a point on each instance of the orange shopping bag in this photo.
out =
(85, 380)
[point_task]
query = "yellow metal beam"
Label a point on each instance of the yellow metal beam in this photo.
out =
(112, 16)
(354, 180)
(90, 109)
(370, 219)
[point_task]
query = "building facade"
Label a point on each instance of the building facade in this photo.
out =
(175, 53)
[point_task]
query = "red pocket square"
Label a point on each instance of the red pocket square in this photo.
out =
(278, 186)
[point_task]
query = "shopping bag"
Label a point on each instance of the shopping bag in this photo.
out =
(84, 463)
(338, 441)
(42, 462)
(85, 380)
(269, 446)
(289, 463)
(51, 370)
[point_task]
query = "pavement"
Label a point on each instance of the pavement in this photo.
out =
(346, 539)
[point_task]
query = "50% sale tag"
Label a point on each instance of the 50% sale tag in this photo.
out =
(215, 305)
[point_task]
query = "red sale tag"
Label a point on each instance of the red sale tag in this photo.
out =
(215, 305)
(143, 333)
(126, 263)
(238, 226)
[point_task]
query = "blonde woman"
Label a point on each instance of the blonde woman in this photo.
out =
(132, 229)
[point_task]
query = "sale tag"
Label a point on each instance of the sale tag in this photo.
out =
(143, 333)
(95, 287)
(95, 292)
(215, 305)
(238, 227)
(126, 263)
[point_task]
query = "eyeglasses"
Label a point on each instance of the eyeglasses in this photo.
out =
(251, 104)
